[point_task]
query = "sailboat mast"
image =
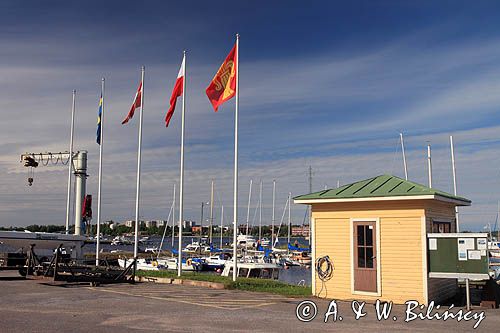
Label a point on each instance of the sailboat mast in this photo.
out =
(272, 221)
(454, 179)
(211, 212)
(260, 211)
(404, 155)
(429, 164)
(248, 206)
(173, 219)
(221, 224)
(289, 219)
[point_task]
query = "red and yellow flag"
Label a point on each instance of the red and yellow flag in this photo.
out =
(223, 85)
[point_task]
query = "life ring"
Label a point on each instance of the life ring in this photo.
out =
(154, 263)
(189, 262)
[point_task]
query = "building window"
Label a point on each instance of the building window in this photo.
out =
(441, 227)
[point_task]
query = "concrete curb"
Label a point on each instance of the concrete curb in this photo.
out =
(205, 284)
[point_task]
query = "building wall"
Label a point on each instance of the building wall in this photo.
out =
(402, 255)
(440, 289)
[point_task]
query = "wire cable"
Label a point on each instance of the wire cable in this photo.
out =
(324, 274)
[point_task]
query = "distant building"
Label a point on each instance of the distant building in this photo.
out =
(161, 223)
(196, 229)
(301, 231)
(129, 224)
(188, 224)
(150, 224)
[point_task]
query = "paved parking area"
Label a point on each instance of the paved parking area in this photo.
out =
(204, 297)
(35, 306)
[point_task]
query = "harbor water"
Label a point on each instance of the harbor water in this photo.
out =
(293, 275)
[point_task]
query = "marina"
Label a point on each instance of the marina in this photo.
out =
(249, 167)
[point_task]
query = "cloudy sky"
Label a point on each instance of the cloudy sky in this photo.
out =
(326, 85)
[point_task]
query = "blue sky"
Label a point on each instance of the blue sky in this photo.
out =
(326, 84)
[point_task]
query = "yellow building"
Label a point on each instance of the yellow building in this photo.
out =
(374, 231)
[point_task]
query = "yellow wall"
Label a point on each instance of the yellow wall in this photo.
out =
(440, 289)
(401, 252)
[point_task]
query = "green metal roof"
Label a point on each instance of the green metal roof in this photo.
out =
(380, 186)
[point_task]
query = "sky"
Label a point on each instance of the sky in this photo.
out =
(328, 85)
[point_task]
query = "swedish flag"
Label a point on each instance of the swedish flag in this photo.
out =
(99, 113)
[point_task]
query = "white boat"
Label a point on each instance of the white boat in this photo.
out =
(120, 240)
(265, 241)
(246, 240)
(152, 249)
(144, 264)
(45, 243)
(171, 263)
(217, 261)
(253, 270)
(192, 248)
(494, 249)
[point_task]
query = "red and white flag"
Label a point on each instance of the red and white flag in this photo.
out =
(135, 104)
(176, 92)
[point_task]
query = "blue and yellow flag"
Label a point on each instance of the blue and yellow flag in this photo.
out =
(99, 113)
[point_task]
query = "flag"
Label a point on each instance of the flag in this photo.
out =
(135, 104)
(178, 90)
(99, 114)
(223, 85)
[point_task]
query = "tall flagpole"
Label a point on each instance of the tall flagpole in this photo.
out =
(101, 124)
(70, 161)
(181, 181)
(138, 192)
(235, 201)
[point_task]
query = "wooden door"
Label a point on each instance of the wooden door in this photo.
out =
(365, 256)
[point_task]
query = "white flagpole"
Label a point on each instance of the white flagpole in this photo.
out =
(404, 155)
(98, 232)
(454, 179)
(70, 161)
(138, 192)
(181, 181)
(235, 200)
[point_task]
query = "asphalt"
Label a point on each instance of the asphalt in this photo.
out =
(40, 306)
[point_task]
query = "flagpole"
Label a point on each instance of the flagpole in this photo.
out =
(101, 124)
(70, 161)
(181, 181)
(235, 199)
(137, 195)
